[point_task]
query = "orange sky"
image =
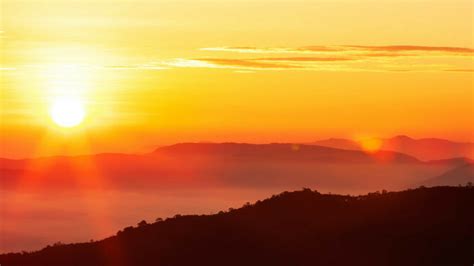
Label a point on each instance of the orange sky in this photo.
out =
(156, 72)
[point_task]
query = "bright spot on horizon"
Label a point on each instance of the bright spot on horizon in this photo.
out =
(67, 111)
(371, 145)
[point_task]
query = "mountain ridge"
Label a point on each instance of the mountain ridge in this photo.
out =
(292, 228)
(278, 150)
(248, 165)
(425, 149)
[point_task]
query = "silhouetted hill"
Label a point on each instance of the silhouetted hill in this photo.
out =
(424, 149)
(460, 175)
(426, 226)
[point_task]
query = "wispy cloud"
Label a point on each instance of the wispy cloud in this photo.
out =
(414, 48)
(307, 64)
(393, 58)
(395, 50)
(343, 58)
(251, 63)
(306, 59)
(241, 64)
(243, 49)
(460, 70)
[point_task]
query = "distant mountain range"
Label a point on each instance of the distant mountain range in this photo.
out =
(282, 166)
(281, 151)
(426, 226)
(424, 149)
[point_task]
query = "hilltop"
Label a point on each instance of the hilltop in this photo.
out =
(424, 226)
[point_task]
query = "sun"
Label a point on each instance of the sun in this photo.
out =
(371, 145)
(67, 111)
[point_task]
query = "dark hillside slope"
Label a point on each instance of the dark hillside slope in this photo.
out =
(425, 226)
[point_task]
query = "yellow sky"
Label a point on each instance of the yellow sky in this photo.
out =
(158, 72)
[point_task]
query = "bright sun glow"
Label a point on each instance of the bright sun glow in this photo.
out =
(371, 145)
(67, 111)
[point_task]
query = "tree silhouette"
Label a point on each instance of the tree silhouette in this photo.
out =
(142, 223)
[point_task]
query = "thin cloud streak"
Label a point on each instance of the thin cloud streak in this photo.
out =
(304, 65)
(252, 63)
(459, 70)
(306, 59)
(398, 58)
(395, 58)
(253, 50)
(410, 48)
(240, 64)
(389, 50)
